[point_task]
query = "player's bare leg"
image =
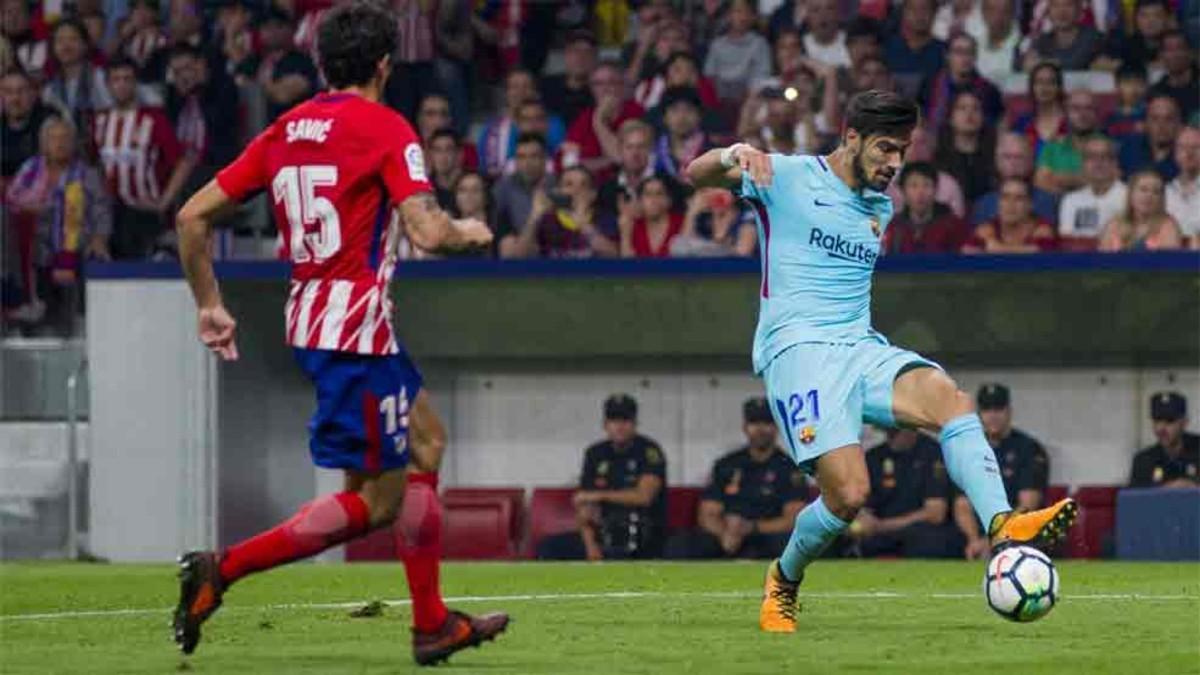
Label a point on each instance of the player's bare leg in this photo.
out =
(926, 397)
(370, 501)
(845, 485)
(438, 632)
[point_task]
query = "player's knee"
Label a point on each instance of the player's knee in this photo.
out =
(428, 450)
(847, 499)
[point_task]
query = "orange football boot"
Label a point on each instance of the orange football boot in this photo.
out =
(1035, 528)
(779, 605)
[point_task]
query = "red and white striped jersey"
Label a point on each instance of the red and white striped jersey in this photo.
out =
(335, 166)
(138, 150)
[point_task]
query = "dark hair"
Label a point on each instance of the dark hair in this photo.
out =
(679, 56)
(444, 132)
(1151, 3)
(788, 30)
(1172, 33)
(487, 194)
(533, 137)
(911, 169)
(352, 39)
(1013, 179)
(21, 73)
(1151, 98)
(675, 95)
(579, 168)
(863, 27)
(674, 192)
(120, 62)
(944, 151)
(186, 49)
(882, 112)
(1058, 77)
(1130, 70)
(77, 24)
(580, 36)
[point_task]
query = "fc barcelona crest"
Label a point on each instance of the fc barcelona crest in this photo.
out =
(873, 223)
(808, 435)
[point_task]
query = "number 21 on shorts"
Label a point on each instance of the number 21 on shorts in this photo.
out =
(801, 411)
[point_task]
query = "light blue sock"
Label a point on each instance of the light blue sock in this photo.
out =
(972, 466)
(816, 527)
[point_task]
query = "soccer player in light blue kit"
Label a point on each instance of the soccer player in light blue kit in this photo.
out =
(825, 369)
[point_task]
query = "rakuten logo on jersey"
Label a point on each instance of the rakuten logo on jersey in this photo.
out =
(842, 249)
(308, 130)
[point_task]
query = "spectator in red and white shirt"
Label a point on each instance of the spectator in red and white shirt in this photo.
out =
(144, 162)
(592, 137)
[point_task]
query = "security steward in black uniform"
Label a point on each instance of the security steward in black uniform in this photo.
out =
(621, 505)
(751, 503)
(1024, 467)
(1175, 460)
(907, 512)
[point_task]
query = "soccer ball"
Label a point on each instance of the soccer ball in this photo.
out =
(1021, 584)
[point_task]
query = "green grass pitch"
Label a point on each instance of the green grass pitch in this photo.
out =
(858, 617)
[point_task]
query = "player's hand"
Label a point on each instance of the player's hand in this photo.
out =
(977, 549)
(864, 525)
(473, 233)
(755, 162)
(218, 331)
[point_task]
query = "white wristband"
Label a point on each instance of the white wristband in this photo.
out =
(727, 159)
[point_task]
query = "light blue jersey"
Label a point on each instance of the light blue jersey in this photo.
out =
(818, 241)
(824, 368)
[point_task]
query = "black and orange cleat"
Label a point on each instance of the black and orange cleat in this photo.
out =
(1039, 528)
(200, 591)
(457, 633)
(779, 605)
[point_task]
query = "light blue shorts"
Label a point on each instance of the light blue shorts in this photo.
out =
(822, 393)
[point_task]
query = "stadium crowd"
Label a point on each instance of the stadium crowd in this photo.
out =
(566, 124)
(755, 491)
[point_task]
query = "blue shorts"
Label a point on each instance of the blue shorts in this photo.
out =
(822, 393)
(361, 421)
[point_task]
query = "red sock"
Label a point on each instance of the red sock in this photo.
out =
(418, 533)
(320, 524)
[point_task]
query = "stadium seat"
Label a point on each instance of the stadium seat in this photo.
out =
(550, 512)
(1077, 244)
(515, 495)
(1097, 518)
(682, 504)
(477, 527)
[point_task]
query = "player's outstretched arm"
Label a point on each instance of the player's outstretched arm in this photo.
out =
(432, 229)
(723, 167)
(194, 224)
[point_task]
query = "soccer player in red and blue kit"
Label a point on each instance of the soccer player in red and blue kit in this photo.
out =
(344, 174)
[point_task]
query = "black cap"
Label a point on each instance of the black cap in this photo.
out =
(620, 407)
(1168, 406)
(675, 95)
(992, 396)
(756, 409)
